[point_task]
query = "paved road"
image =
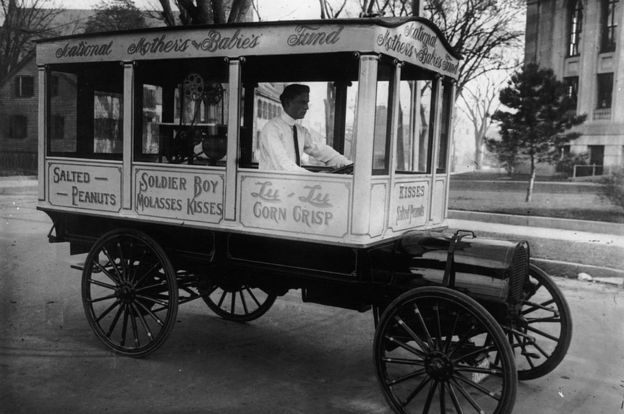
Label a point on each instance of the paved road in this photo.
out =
(298, 358)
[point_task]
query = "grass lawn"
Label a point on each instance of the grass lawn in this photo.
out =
(563, 200)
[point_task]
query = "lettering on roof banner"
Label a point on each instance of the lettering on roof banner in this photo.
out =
(214, 41)
(306, 35)
(84, 49)
(420, 43)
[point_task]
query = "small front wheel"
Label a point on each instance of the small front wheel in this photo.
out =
(238, 302)
(437, 350)
(129, 292)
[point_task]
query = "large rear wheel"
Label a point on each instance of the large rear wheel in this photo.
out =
(439, 351)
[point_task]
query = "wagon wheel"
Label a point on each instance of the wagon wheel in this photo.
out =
(541, 335)
(238, 302)
(437, 350)
(129, 292)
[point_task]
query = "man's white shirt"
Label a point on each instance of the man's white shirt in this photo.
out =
(276, 146)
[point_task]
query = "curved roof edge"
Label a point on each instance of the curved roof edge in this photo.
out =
(379, 21)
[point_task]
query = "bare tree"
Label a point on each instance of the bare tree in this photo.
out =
(205, 11)
(480, 101)
(112, 15)
(22, 22)
(482, 31)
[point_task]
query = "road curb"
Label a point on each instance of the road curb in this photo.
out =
(571, 270)
(536, 221)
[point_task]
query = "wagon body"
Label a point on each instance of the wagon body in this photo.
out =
(148, 163)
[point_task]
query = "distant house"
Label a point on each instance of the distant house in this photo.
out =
(19, 93)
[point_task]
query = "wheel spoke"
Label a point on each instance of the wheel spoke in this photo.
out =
(454, 399)
(146, 273)
(442, 399)
(112, 262)
(222, 298)
(486, 349)
(102, 284)
(450, 335)
(253, 296)
(243, 302)
(102, 298)
(413, 394)
(124, 328)
(108, 310)
(113, 324)
(232, 303)
(469, 398)
(135, 331)
(430, 394)
(424, 326)
(476, 386)
(155, 285)
(144, 323)
(122, 262)
(468, 368)
(536, 306)
(550, 319)
(544, 334)
(403, 361)
(406, 347)
(152, 299)
(150, 313)
(524, 352)
(411, 375)
(106, 272)
(411, 333)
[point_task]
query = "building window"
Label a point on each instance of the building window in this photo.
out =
(24, 87)
(608, 25)
(571, 85)
(605, 90)
(18, 126)
(575, 27)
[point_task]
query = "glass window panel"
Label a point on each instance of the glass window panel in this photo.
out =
(63, 113)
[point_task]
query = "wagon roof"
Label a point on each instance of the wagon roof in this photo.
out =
(413, 40)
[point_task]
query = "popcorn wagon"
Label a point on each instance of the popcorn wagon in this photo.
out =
(148, 162)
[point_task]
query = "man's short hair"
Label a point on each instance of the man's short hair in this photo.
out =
(292, 91)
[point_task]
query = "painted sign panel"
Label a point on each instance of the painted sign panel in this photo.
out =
(408, 206)
(413, 41)
(295, 205)
(85, 186)
(193, 196)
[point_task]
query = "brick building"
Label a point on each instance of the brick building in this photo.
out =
(582, 41)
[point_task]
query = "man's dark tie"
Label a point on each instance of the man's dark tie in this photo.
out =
(297, 159)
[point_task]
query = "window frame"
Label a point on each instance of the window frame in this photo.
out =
(608, 26)
(604, 89)
(13, 126)
(575, 27)
(24, 89)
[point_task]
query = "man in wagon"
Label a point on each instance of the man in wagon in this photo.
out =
(282, 140)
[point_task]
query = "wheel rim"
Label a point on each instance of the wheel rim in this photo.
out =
(440, 352)
(541, 334)
(129, 293)
(241, 303)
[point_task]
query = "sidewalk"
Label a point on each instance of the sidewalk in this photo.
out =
(18, 185)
